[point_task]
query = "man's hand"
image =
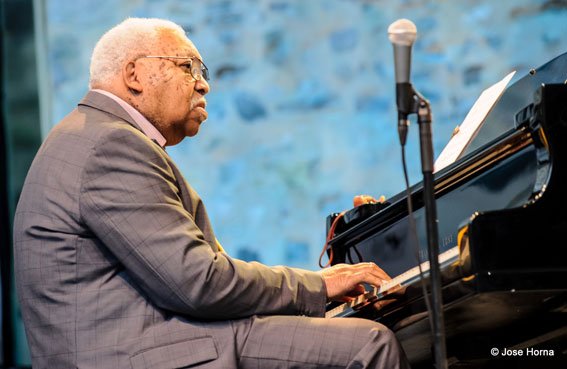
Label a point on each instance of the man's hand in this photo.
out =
(344, 281)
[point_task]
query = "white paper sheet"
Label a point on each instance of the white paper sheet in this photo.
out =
(472, 123)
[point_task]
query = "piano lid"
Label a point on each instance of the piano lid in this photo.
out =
(516, 97)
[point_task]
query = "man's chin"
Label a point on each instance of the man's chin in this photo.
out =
(199, 114)
(193, 132)
(192, 128)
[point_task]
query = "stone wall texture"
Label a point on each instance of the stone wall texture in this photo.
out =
(302, 114)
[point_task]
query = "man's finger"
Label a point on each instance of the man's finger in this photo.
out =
(358, 290)
(371, 270)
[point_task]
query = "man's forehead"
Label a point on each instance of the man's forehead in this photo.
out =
(175, 44)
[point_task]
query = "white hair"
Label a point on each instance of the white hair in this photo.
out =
(132, 37)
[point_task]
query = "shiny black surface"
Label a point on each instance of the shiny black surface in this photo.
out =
(384, 236)
(517, 96)
(508, 196)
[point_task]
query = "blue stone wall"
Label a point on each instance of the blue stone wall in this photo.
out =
(301, 110)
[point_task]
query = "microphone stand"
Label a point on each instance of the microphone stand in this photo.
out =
(413, 102)
(424, 120)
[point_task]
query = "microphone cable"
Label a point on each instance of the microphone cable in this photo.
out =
(414, 238)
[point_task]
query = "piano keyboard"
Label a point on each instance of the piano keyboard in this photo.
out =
(376, 293)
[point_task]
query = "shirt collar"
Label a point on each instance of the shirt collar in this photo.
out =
(148, 128)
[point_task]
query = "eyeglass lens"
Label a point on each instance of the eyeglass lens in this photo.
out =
(199, 70)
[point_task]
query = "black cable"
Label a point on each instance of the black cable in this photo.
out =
(349, 257)
(413, 236)
(358, 254)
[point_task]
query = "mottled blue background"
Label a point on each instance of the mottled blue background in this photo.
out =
(301, 109)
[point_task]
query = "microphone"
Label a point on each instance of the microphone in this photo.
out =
(402, 34)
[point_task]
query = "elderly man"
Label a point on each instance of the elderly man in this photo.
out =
(116, 262)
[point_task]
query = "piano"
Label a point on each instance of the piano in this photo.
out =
(502, 211)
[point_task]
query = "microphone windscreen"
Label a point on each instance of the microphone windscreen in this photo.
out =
(402, 32)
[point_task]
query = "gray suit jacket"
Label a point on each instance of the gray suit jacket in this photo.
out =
(116, 261)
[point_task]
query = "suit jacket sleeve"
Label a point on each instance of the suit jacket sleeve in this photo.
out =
(130, 200)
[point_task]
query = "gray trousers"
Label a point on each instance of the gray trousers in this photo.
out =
(303, 342)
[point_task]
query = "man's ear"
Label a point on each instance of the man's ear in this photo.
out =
(131, 78)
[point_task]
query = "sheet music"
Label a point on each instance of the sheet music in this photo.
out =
(472, 123)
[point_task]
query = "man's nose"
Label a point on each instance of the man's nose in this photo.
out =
(202, 86)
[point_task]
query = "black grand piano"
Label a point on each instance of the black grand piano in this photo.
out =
(502, 211)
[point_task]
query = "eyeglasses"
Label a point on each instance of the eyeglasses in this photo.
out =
(196, 67)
